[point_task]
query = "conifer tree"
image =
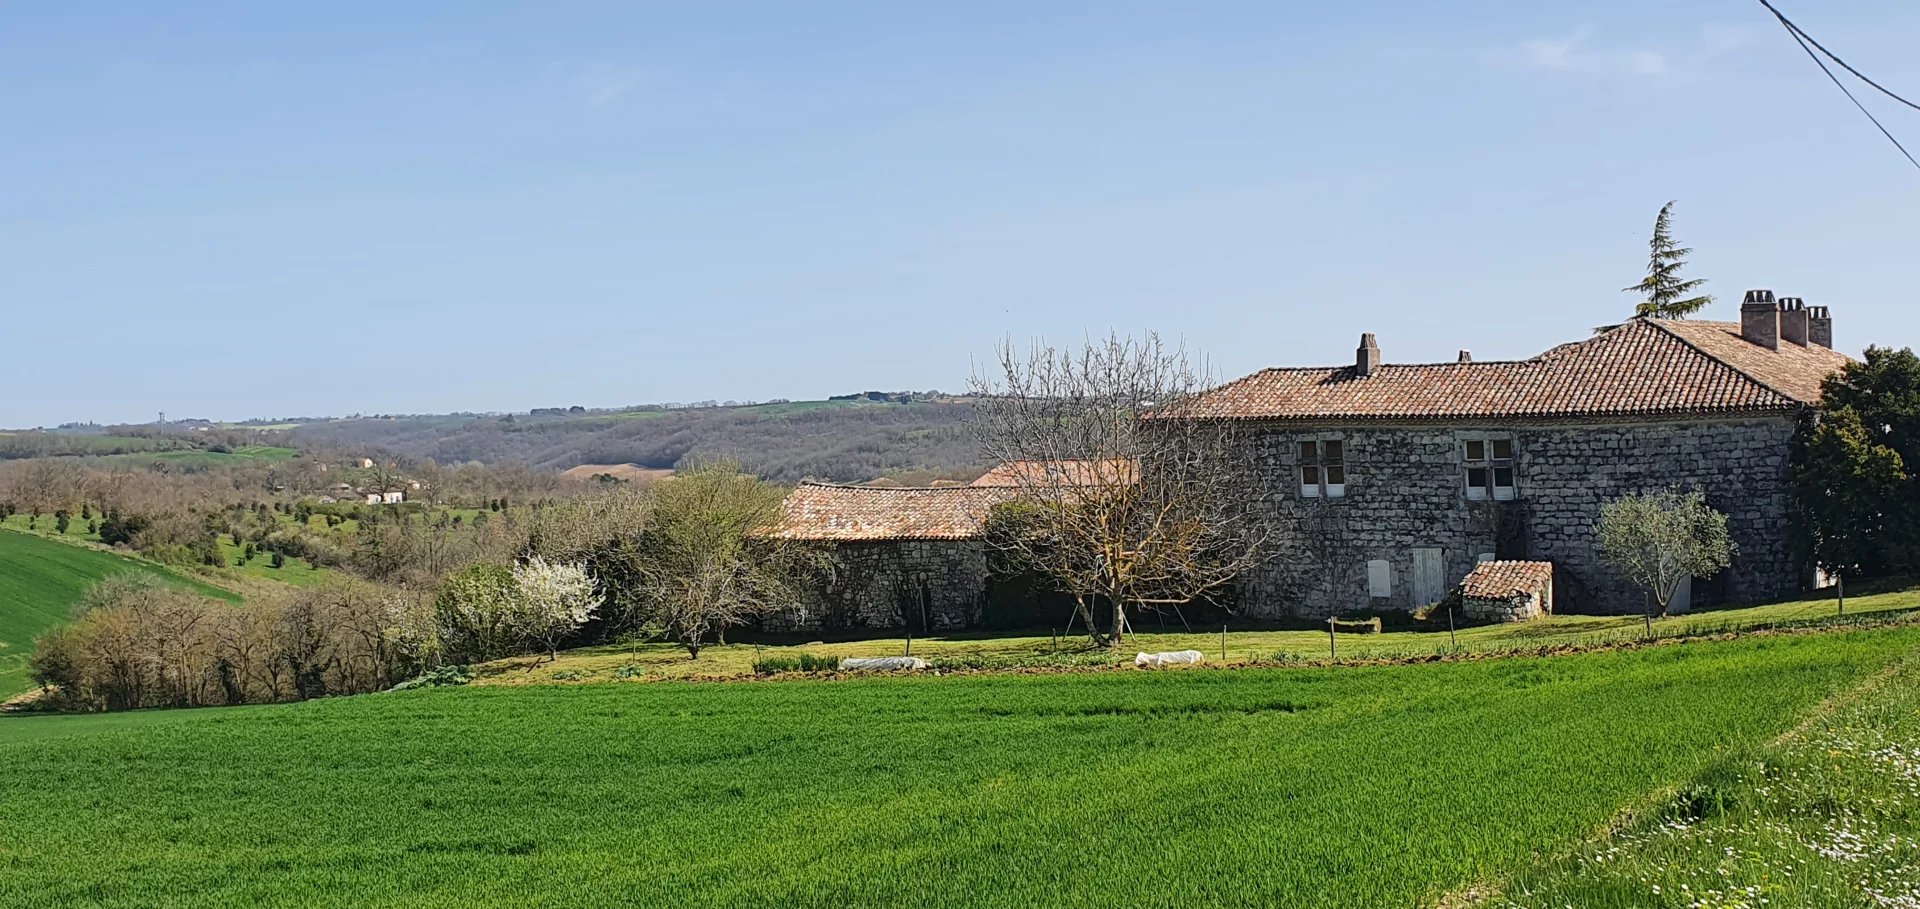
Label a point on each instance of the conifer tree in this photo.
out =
(1665, 292)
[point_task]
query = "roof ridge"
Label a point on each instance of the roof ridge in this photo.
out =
(1660, 324)
(822, 484)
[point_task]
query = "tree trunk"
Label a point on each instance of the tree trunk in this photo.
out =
(1093, 624)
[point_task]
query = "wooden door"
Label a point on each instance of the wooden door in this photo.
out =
(1429, 576)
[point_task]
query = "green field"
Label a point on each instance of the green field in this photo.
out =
(1354, 786)
(41, 579)
(201, 458)
(1017, 648)
(298, 572)
(1828, 816)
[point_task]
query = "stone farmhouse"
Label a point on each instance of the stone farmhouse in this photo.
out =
(1390, 483)
(910, 556)
(1395, 480)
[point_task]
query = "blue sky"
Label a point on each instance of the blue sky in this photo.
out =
(238, 210)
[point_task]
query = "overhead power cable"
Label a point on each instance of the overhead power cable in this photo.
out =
(1803, 39)
(1800, 32)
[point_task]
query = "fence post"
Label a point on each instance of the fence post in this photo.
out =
(1333, 650)
(1450, 641)
(909, 642)
(1840, 592)
(1223, 643)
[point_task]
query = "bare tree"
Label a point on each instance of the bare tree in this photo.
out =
(1126, 502)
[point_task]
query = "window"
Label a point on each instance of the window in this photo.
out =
(1489, 467)
(1323, 468)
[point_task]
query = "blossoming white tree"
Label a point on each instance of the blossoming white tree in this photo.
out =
(555, 599)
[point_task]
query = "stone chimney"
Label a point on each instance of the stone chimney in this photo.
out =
(1760, 319)
(1793, 321)
(1366, 360)
(1466, 356)
(1819, 327)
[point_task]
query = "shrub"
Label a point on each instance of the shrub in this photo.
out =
(569, 675)
(118, 530)
(798, 662)
(445, 675)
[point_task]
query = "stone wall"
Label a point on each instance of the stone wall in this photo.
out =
(1405, 492)
(1520, 607)
(919, 584)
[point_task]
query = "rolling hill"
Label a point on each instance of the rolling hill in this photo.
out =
(41, 579)
(845, 440)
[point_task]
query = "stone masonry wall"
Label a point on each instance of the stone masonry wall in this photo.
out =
(1405, 490)
(917, 584)
(1520, 607)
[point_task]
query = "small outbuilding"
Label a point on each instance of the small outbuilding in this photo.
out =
(1507, 591)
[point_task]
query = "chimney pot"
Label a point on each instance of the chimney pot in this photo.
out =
(1760, 319)
(1820, 326)
(1366, 359)
(1793, 320)
(1466, 356)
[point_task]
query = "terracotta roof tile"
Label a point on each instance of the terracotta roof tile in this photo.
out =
(1501, 580)
(1074, 473)
(821, 511)
(1645, 367)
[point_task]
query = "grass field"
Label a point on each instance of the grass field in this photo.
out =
(1828, 816)
(41, 579)
(297, 572)
(1358, 786)
(200, 458)
(667, 661)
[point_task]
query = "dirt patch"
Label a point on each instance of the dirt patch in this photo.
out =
(618, 472)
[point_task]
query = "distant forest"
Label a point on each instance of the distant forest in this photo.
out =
(842, 441)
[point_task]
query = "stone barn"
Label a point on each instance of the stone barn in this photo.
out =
(909, 557)
(1396, 479)
(1498, 591)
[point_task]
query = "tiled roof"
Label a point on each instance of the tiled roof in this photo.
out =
(1646, 367)
(1501, 580)
(1073, 473)
(821, 511)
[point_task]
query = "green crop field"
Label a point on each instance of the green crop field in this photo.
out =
(1828, 816)
(202, 458)
(41, 579)
(1356, 786)
(297, 572)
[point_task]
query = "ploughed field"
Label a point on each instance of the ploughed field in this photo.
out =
(1354, 786)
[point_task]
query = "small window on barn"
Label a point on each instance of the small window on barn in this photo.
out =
(1379, 579)
(1323, 468)
(1488, 463)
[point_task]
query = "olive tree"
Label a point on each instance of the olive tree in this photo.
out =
(1133, 494)
(710, 556)
(1661, 539)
